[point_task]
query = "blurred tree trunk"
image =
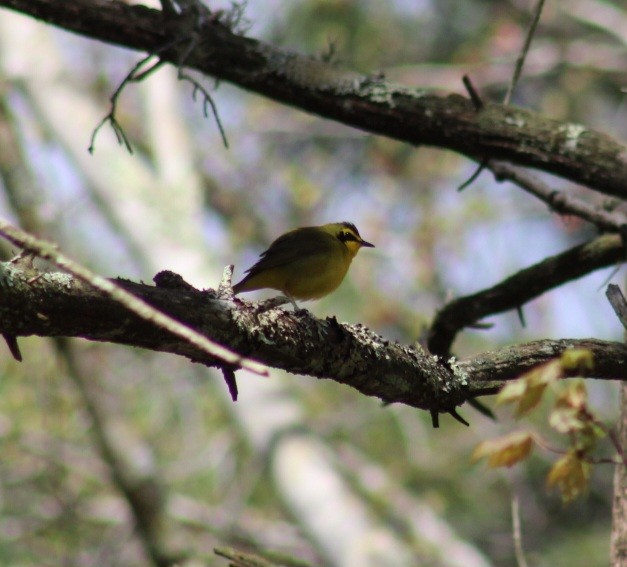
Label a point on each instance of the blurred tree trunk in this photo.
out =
(619, 513)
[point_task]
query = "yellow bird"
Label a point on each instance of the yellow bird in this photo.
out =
(306, 263)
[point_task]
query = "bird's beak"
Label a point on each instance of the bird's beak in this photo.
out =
(366, 244)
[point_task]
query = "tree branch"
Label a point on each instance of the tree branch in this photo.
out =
(48, 252)
(59, 305)
(558, 201)
(489, 371)
(367, 102)
(522, 287)
(56, 304)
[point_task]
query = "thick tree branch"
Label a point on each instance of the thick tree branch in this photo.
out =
(366, 102)
(522, 287)
(48, 251)
(60, 305)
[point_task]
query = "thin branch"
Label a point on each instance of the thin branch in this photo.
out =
(240, 559)
(521, 316)
(559, 201)
(14, 348)
(617, 301)
(478, 103)
(231, 382)
(474, 176)
(207, 102)
(517, 534)
(520, 61)
(522, 287)
(193, 15)
(129, 301)
(613, 436)
(132, 77)
(473, 93)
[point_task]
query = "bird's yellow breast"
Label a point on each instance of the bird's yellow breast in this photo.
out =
(316, 276)
(307, 277)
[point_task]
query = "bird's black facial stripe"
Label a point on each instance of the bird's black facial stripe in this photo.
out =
(346, 236)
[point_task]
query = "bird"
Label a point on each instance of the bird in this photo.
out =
(305, 263)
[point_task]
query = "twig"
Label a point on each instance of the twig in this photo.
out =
(472, 93)
(198, 14)
(613, 436)
(11, 341)
(585, 458)
(478, 104)
(207, 102)
(241, 559)
(208, 99)
(474, 176)
(481, 408)
(458, 417)
(131, 77)
(435, 419)
(517, 534)
(521, 316)
(137, 306)
(617, 301)
(523, 52)
(610, 276)
(231, 382)
(559, 201)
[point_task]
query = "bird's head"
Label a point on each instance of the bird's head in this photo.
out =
(348, 235)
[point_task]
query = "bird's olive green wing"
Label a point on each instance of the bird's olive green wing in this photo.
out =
(293, 247)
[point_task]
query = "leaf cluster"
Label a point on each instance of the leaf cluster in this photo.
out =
(569, 415)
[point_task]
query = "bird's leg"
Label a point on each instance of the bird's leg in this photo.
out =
(293, 302)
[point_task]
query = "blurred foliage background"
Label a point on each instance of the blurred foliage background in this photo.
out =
(308, 468)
